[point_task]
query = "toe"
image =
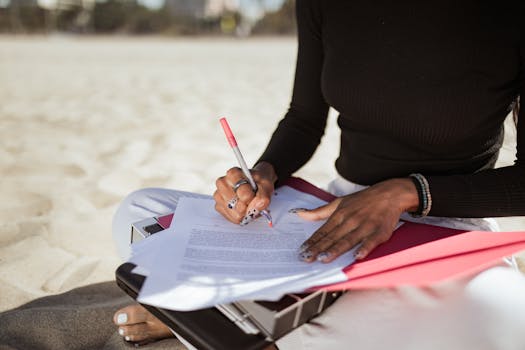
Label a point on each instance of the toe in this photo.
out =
(136, 324)
(131, 314)
(135, 333)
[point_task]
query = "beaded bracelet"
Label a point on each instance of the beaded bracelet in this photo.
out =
(423, 193)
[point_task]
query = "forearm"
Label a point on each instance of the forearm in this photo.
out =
(299, 132)
(489, 193)
(293, 142)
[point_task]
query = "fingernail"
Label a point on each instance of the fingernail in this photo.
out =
(121, 331)
(245, 221)
(303, 247)
(252, 214)
(324, 256)
(122, 318)
(260, 204)
(127, 338)
(232, 202)
(359, 255)
(297, 210)
(306, 255)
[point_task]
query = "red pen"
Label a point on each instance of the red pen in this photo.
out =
(233, 143)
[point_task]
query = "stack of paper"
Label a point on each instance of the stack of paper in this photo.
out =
(203, 260)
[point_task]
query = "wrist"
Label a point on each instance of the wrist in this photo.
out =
(267, 171)
(424, 196)
(405, 193)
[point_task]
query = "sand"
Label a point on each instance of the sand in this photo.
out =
(84, 121)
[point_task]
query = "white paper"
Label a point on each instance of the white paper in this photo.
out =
(203, 260)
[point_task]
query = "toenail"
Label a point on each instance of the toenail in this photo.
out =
(127, 338)
(121, 331)
(122, 318)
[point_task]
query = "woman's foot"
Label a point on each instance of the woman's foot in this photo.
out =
(136, 324)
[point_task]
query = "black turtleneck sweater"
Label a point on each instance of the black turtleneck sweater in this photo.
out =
(421, 86)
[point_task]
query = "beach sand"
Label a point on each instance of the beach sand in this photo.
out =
(85, 121)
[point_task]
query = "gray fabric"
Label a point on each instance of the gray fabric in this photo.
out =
(78, 319)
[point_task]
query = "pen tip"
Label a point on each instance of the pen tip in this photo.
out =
(270, 224)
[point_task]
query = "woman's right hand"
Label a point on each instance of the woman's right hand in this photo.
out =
(243, 205)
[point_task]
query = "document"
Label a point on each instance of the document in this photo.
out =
(203, 259)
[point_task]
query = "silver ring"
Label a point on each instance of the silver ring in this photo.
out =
(239, 184)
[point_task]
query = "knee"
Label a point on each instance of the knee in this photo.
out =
(139, 196)
(148, 202)
(134, 207)
(141, 193)
(133, 201)
(498, 293)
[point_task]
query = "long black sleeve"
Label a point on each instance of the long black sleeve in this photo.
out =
(491, 192)
(420, 87)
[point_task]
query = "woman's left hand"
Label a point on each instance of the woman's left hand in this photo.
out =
(368, 217)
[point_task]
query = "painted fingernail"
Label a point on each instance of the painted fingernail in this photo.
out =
(324, 256)
(122, 318)
(232, 202)
(303, 247)
(306, 255)
(121, 331)
(359, 255)
(127, 338)
(245, 221)
(250, 216)
(297, 210)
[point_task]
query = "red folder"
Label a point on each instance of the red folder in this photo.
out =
(418, 254)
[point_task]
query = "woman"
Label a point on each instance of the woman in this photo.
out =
(422, 90)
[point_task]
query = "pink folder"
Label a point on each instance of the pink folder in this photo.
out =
(422, 255)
